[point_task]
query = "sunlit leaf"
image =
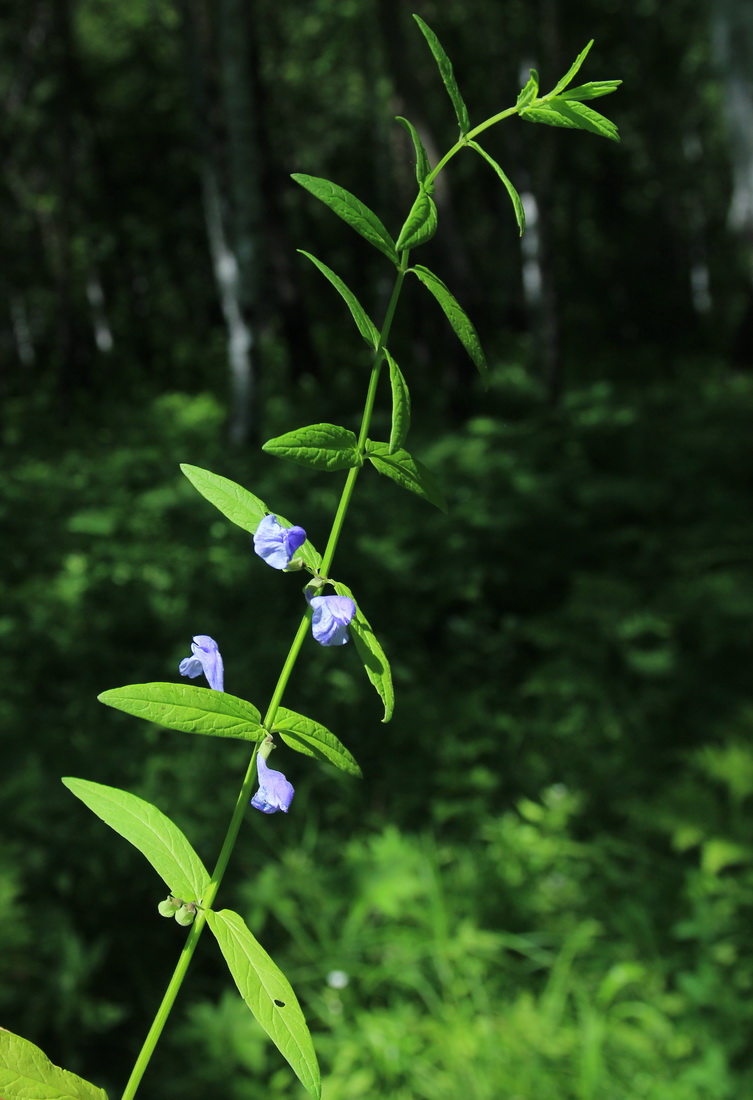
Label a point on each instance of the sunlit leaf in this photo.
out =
(351, 210)
(571, 72)
(448, 76)
(422, 161)
(529, 91)
(456, 315)
(312, 739)
(421, 223)
(318, 446)
(364, 324)
(26, 1073)
(407, 472)
(520, 215)
(268, 994)
(572, 115)
(241, 507)
(188, 708)
(400, 405)
(592, 90)
(148, 829)
(371, 653)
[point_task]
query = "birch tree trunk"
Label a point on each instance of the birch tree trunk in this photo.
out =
(230, 183)
(732, 27)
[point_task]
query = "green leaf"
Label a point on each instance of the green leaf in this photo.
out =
(570, 72)
(188, 709)
(571, 115)
(351, 210)
(592, 90)
(26, 1073)
(520, 215)
(448, 76)
(400, 405)
(241, 507)
(147, 828)
(529, 91)
(318, 446)
(407, 471)
(422, 161)
(421, 224)
(309, 737)
(364, 324)
(268, 994)
(457, 317)
(372, 655)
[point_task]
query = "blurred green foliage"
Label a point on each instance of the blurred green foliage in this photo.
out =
(543, 885)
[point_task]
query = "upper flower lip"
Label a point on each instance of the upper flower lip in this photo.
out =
(207, 659)
(277, 544)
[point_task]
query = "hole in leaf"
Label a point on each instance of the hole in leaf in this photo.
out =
(280, 1004)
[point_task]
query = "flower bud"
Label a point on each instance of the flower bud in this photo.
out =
(186, 914)
(169, 906)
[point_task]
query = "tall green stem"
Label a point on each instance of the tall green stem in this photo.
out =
(249, 780)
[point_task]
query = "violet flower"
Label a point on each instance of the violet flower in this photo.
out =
(206, 658)
(329, 623)
(275, 792)
(277, 544)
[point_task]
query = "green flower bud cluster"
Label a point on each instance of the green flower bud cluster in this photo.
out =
(183, 911)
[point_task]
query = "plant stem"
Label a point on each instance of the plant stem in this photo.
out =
(231, 836)
(249, 780)
(463, 141)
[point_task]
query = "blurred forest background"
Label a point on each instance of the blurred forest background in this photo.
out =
(543, 887)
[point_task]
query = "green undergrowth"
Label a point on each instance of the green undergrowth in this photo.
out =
(544, 884)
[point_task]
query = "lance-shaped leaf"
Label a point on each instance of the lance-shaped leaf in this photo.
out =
(407, 471)
(268, 994)
(351, 210)
(318, 446)
(421, 223)
(26, 1073)
(529, 91)
(448, 76)
(571, 72)
(364, 324)
(422, 160)
(371, 653)
(457, 317)
(241, 507)
(188, 709)
(520, 215)
(592, 90)
(148, 829)
(400, 405)
(572, 115)
(312, 739)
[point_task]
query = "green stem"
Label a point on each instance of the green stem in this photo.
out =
(463, 141)
(249, 780)
(195, 931)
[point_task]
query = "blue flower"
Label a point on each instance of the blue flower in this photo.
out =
(275, 793)
(206, 658)
(329, 623)
(277, 544)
